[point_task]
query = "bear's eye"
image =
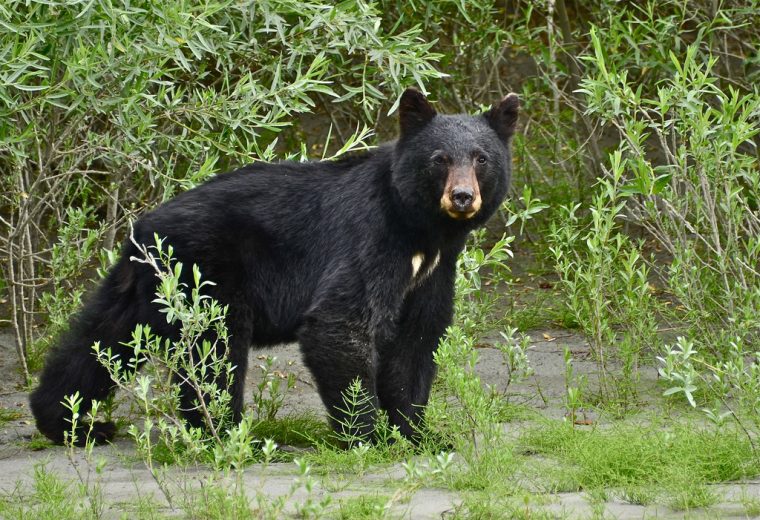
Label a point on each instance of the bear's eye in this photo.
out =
(482, 159)
(439, 159)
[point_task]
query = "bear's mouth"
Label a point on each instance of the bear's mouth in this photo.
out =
(461, 215)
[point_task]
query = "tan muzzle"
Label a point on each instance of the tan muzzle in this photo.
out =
(461, 195)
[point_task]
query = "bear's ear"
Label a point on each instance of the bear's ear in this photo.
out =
(414, 111)
(503, 117)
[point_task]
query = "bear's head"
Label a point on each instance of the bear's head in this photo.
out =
(454, 168)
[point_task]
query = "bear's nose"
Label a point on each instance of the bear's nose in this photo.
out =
(462, 198)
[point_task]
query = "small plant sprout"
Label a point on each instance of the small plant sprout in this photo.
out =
(269, 392)
(310, 507)
(268, 449)
(574, 387)
(352, 430)
(514, 350)
(677, 369)
(81, 434)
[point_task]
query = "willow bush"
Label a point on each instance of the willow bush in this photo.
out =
(111, 107)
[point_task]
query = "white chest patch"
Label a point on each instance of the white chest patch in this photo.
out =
(417, 261)
(418, 273)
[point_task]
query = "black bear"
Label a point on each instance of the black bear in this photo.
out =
(354, 259)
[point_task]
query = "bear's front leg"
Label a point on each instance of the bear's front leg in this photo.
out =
(338, 349)
(406, 366)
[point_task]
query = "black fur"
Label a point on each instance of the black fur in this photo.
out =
(317, 252)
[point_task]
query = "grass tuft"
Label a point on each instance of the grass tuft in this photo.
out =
(680, 459)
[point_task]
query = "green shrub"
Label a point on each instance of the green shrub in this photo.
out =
(112, 107)
(699, 199)
(607, 287)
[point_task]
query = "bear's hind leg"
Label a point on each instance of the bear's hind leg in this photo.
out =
(238, 345)
(71, 369)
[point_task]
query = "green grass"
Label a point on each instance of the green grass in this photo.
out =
(640, 495)
(217, 502)
(359, 460)
(364, 507)
(688, 497)
(751, 504)
(38, 442)
(298, 430)
(50, 499)
(489, 470)
(303, 432)
(9, 414)
(680, 459)
(486, 506)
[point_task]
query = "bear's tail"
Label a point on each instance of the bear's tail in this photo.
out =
(72, 366)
